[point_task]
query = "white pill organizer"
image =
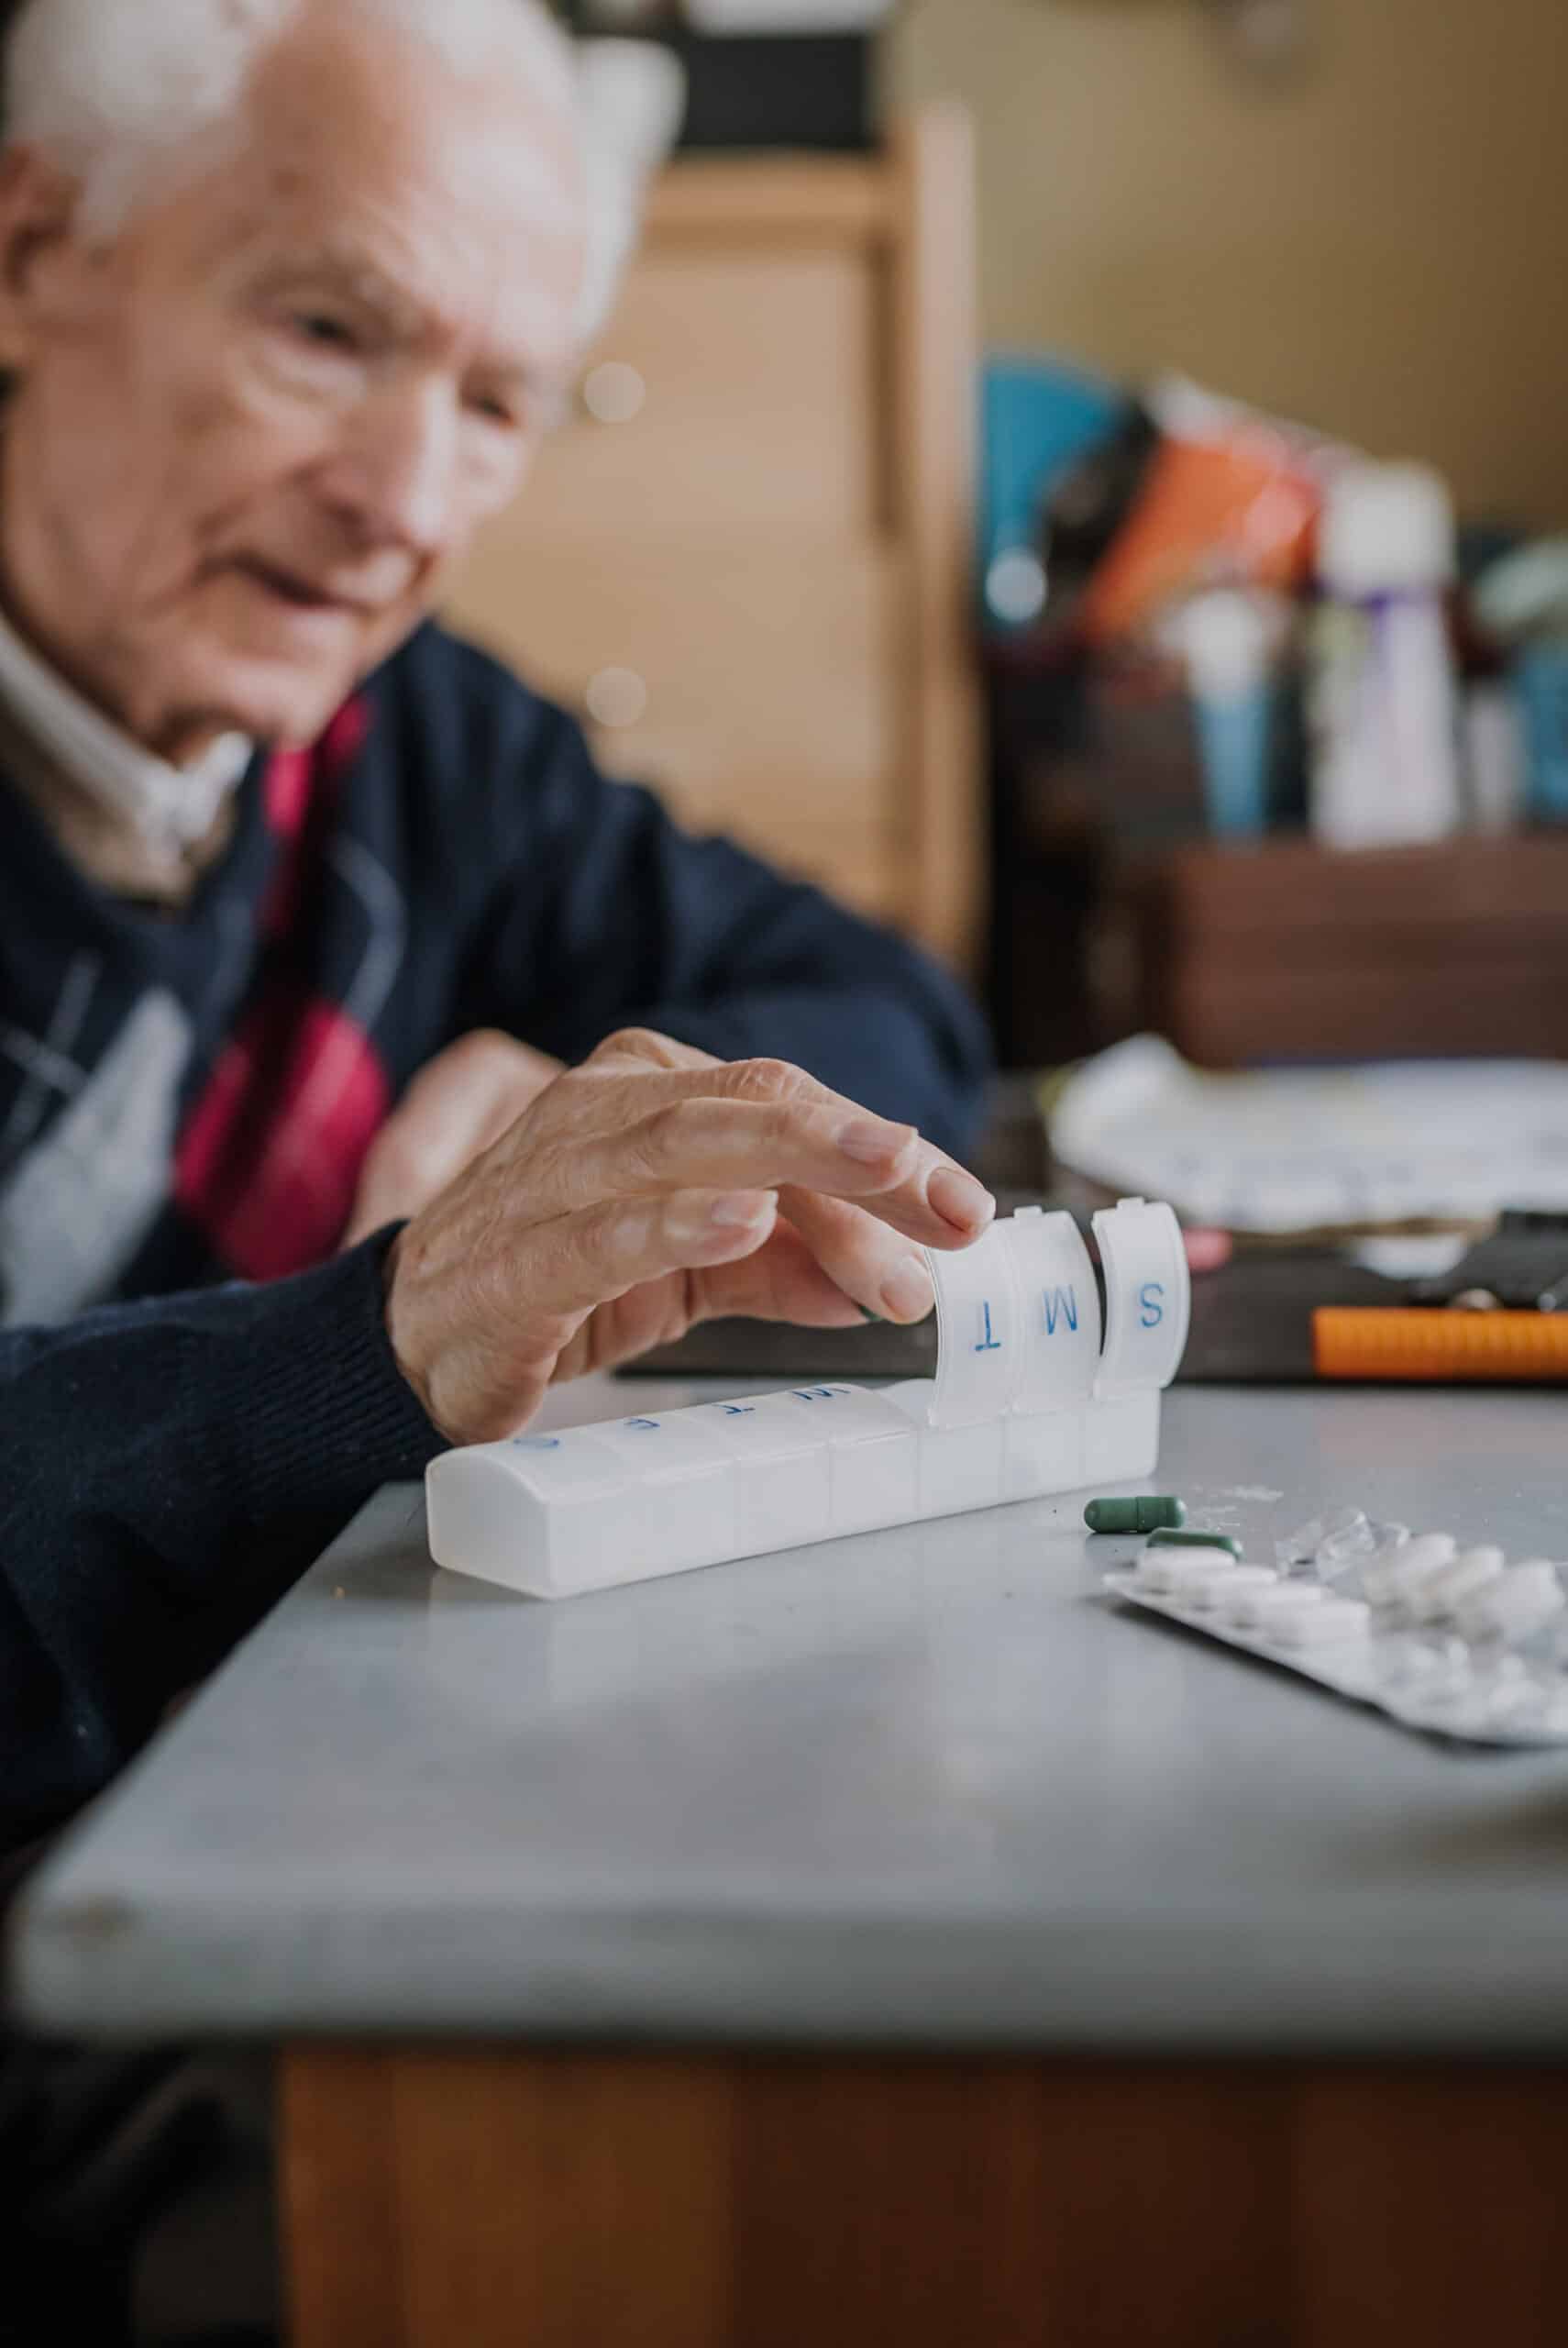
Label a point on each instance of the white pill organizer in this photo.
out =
(1030, 1397)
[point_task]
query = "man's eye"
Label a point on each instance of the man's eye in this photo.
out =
(495, 409)
(326, 331)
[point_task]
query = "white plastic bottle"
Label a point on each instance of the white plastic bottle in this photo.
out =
(1383, 705)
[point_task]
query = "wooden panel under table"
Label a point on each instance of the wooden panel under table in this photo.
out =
(507, 2198)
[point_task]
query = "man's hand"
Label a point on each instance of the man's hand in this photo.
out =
(451, 1113)
(651, 1189)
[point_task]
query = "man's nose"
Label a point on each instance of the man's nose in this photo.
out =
(395, 471)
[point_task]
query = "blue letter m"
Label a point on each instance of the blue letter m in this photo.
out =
(1060, 1303)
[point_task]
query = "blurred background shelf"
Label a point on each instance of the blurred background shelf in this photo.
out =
(1286, 951)
(747, 556)
(1114, 914)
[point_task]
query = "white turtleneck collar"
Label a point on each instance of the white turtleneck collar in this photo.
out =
(171, 808)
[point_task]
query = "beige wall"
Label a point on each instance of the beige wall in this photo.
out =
(1381, 248)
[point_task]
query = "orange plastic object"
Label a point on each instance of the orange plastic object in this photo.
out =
(1442, 1347)
(1234, 512)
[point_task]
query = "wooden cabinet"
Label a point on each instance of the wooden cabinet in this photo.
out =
(745, 559)
(1289, 951)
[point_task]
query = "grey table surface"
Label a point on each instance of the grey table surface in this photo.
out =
(925, 1786)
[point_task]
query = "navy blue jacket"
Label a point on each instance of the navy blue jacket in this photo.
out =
(197, 1392)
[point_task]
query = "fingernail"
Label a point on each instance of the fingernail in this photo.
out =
(960, 1199)
(907, 1292)
(740, 1210)
(869, 1140)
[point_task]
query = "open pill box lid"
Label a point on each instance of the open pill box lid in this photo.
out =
(1019, 1320)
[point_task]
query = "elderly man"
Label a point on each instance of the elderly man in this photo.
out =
(366, 1062)
(304, 908)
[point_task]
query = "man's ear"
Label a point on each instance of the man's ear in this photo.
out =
(38, 206)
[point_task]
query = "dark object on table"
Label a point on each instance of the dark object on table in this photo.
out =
(1494, 1318)
(1522, 1268)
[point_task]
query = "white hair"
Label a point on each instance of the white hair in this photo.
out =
(115, 93)
(121, 94)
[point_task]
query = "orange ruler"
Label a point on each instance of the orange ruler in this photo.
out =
(1442, 1348)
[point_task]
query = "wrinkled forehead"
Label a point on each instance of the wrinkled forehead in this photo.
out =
(459, 196)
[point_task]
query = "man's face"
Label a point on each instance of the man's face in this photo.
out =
(249, 437)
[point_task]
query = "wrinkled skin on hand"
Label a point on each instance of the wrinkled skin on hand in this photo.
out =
(645, 1192)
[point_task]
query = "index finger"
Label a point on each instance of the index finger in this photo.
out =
(933, 1200)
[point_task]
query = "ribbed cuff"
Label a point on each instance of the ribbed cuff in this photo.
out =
(325, 1416)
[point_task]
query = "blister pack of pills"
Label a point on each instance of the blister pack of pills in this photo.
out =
(1036, 1392)
(1452, 1640)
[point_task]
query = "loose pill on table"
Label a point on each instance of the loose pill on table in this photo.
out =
(1137, 1512)
(1168, 1539)
(1337, 1619)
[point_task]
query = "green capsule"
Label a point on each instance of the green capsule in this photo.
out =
(1165, 1540)
(1143, 1513)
